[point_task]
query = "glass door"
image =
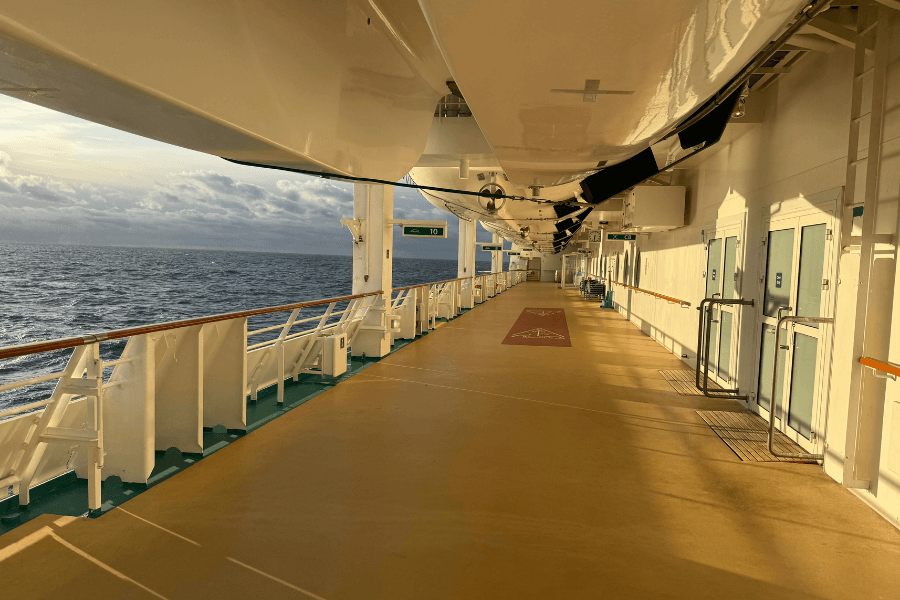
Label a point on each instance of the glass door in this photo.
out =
(797, 261)
(721, 278)
(569, 267)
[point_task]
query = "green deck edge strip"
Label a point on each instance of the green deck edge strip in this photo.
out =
(67, 494)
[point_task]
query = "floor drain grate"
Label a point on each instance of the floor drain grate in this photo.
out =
(746, 433)
(684, 382)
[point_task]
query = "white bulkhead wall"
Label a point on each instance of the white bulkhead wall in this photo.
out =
(799, 150)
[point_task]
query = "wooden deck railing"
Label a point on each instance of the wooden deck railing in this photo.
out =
(880, 366)
(74, 342)
(683, 303)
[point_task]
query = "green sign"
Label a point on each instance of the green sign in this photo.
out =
(584, 252)
(433, 232)
(514, 253)
(491, 248)
(621, 236)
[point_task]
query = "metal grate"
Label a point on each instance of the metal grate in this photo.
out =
(684, 382)
(746, 433)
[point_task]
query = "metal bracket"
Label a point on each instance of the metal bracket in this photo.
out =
(355, 226)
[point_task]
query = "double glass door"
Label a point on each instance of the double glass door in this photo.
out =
(721, 282)
(798, 258)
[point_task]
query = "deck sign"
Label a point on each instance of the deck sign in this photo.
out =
(621, 236)
(513, 253)
(778, 280)
(426, 232)
(489, 248)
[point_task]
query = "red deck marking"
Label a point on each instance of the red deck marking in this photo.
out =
(540, 327)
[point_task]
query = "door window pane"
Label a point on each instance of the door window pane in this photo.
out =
(725, 345)
(767, 363)
(778, 271)
(626, 276)
(728, 270)
(803, 384)
(809, 279)
(713, 342)
(713, 276)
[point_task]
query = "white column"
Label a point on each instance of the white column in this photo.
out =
(466, 252)
(496, 257)
(466, 261)
(373, 206)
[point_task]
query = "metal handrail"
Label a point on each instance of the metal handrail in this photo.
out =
(772, 406)
(683, 303)
(705, 338)
(74, 342)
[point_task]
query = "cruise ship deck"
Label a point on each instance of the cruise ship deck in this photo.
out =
(453, 468)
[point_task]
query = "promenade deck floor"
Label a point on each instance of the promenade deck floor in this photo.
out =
(459, 467)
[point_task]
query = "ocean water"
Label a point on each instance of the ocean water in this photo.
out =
(54, 291)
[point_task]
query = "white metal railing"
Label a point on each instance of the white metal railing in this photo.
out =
(172, 380)
(414, 309)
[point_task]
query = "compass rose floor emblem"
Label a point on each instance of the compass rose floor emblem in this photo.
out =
(540, 327)
(543, 312)
(539, 334)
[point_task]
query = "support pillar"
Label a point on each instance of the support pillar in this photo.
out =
(373, 208)
(466, 261)
(496, 257)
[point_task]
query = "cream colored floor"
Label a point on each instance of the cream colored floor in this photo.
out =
(462, 468)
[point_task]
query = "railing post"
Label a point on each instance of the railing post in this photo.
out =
(95, 422)
(280, 363)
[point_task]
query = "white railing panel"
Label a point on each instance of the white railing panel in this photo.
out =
(179, 389)
(129, 413)
(225, 374)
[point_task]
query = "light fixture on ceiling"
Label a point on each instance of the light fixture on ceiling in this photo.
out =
(741, 108)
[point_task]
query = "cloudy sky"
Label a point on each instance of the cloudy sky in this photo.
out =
(68, 181)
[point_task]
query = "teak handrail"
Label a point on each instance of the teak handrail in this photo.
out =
(880, 366)
(73, 342)
(683, 303)
(410, 287)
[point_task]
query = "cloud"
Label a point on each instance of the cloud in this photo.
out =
(207, 207)
(32, 186)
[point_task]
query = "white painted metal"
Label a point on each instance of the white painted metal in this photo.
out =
(129, 412)
(650, 208)
(334, 355)
(373, 206)
(870, 337)
(344, 87)
(179, 389)
(466, 259)
(165, 387)
(518, 89)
